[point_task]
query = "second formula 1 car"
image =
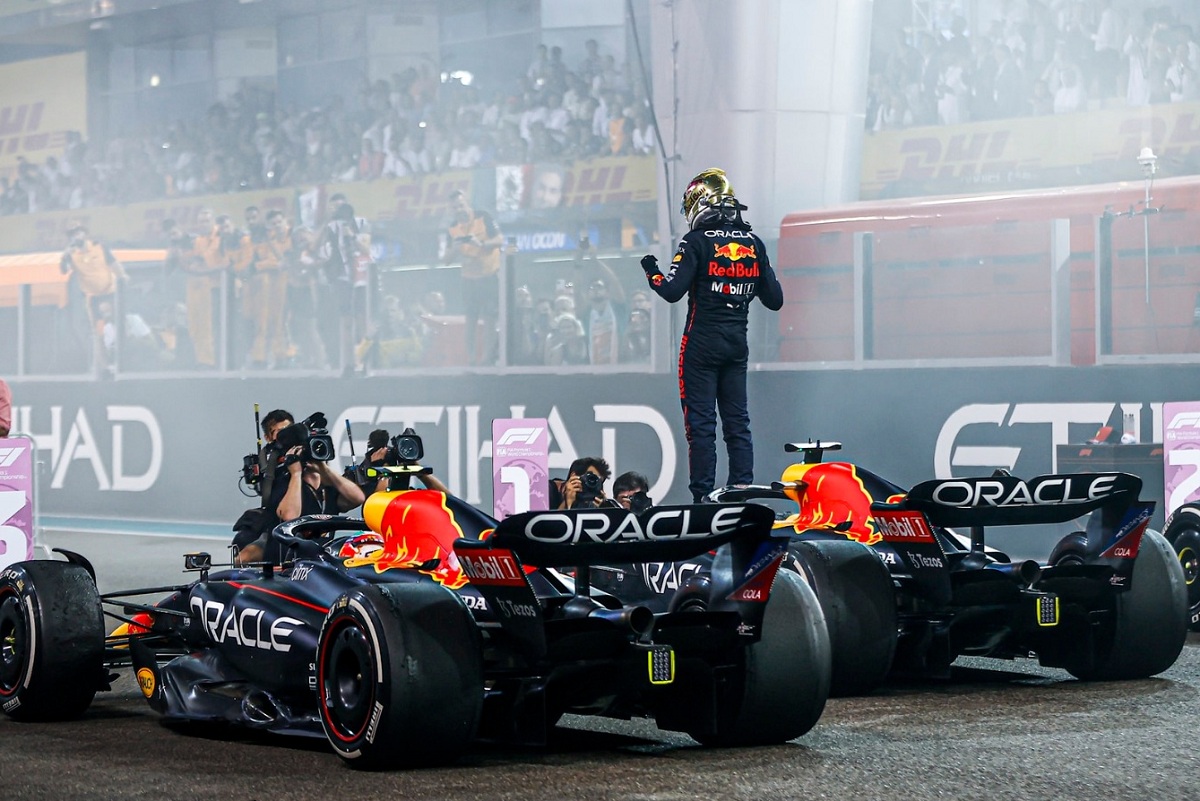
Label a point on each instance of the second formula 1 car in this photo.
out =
(908, 584)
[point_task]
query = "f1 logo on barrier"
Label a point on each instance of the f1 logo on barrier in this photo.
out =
(9, 455)
(526, 436)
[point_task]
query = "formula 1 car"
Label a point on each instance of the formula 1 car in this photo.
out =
(903, 592)
(406, 635)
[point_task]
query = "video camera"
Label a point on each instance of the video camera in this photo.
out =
(401, 461)
(312, 433)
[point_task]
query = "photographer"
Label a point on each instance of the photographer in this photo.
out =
(253, 523)
(312, 488)
(583, 486)
(631, 491)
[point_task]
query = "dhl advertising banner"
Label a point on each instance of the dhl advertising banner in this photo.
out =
(43, 100)
(10, 7)
(1029, 152)
(419, 198)
(138, 224)
(415, 197)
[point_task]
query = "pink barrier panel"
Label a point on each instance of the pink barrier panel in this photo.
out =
(16, 500)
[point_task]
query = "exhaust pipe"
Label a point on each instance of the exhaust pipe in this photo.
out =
(638, 620)
(1026, 573)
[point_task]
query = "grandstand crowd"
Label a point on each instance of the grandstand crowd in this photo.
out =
(416, 122)
(1034, 57)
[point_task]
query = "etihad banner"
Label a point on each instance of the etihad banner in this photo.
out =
(1030, 152)
(43, 101)
(172, 449)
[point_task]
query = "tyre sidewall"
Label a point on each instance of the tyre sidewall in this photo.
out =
(1183, 532)
(53, 608)
(423, 675)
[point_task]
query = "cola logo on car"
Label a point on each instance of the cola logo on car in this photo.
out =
(1046, 490)
(600, 527)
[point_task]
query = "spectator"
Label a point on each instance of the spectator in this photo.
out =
(1070, 96)
(604, 315)
(94, 273)
(345, 255)
(566, 343)
(635, 343)
(474, 240)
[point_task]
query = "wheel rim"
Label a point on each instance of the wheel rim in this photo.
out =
(1189, 559)
(347, 681)
(12, 644)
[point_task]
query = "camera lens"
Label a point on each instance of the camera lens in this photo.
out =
(320, 448)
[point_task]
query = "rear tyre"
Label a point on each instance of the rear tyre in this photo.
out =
(858, 599)
(399, 676)
(51, 641)
(784, 680)
(1183, 533)
(1151, 619)
(1070, 550)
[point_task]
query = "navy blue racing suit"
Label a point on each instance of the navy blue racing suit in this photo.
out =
(721, 266)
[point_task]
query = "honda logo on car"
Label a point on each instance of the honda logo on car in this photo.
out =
(1050, 490)
(245, 626)
(599, 527)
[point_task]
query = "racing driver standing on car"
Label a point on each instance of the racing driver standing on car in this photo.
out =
(721, 266)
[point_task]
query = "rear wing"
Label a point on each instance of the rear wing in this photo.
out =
(1010, 501)
(1113, 534)
(742, 573)
(570, 537)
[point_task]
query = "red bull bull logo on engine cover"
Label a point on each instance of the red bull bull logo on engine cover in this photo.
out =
(831, 495)
(417, 527)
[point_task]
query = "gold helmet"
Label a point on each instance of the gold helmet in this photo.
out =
(703, 191)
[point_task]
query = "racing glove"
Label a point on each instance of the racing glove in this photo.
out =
(650, 266)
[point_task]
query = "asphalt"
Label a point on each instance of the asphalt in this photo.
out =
(995, 730)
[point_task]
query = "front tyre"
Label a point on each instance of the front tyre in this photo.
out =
(1183, 532)
(51, 641)
(1151, 619)
(784, 682)
(399, 675)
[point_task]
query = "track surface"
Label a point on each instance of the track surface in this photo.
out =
(996, 730)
